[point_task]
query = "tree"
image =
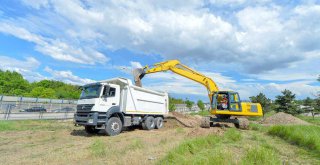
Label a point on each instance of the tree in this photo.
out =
(286, 103)
(172, 105)
(189, 104)
(12, 83)
(200, 105)
(263, 100)
(307, 102)
(42, 92)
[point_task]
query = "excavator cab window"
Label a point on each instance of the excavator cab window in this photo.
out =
(214, 101)
(235, 104)
(222, 101)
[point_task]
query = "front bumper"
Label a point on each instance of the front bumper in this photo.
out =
(87, 119)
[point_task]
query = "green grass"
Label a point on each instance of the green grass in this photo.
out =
(98, 148)
(180, 130)
(22, 125)
(307, 136)
(231, 148)
(261, 155)
(135, 144)
(232, 135)
(201, 113)
(190, 149)
(310, 119)
(257, 127)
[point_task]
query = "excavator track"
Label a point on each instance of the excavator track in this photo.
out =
(243, 123)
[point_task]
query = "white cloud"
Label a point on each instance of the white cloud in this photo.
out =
(25, 67)
(37, 4)
(261, 40)
(67, 77)
(54, 47)
(255, 38)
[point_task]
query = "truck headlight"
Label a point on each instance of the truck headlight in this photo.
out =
(90, 121)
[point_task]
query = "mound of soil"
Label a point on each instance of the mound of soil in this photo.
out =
(283, 118)
(186, 120)
(198, 131)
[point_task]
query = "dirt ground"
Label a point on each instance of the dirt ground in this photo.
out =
(72, 145)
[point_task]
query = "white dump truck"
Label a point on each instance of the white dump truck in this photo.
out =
(116, 103)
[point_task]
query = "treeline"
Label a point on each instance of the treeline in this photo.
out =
(13, 84)
(189, 104)
(286, 102)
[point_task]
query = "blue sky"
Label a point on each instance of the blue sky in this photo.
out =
(246, 46)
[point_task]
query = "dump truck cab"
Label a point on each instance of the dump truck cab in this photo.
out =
(102, 95)
(116, 103)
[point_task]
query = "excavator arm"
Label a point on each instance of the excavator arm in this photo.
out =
(182, 70)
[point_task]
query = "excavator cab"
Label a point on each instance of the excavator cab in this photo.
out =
(226, 100)
(226, 103)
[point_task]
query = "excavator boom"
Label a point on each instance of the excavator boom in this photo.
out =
(180, 69)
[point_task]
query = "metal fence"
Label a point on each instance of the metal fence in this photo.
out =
(21, 108)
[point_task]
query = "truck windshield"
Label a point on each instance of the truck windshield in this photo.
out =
(90, 92)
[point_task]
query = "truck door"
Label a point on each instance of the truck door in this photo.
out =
(111, 95)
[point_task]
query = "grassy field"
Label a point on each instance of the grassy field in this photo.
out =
(238, 147)
(307, 136)
(310, 119)
(59, 142)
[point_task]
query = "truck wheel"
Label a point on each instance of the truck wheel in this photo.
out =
(148, 123)
(158, 122)
(114, 126)
(91, 130)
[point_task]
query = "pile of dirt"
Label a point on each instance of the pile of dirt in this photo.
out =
(198, 131)
(283, 118)
(186, 120)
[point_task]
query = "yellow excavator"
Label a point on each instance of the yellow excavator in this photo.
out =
(225, 105)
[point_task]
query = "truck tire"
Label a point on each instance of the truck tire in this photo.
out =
(114, 126)
(158, 122)
(91, 129)
(148, 123)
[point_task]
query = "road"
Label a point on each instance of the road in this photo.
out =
(36, 115)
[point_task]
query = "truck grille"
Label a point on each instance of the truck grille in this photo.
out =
(84, 107)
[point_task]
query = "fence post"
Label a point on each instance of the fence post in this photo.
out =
(50, 105)
(8, 111)
(20, 102)
(1, 102)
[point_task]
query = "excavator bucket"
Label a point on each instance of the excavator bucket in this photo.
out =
(138, 74)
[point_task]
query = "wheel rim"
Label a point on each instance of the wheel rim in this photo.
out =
(160, 123)
(114, 126)
(151, 123)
